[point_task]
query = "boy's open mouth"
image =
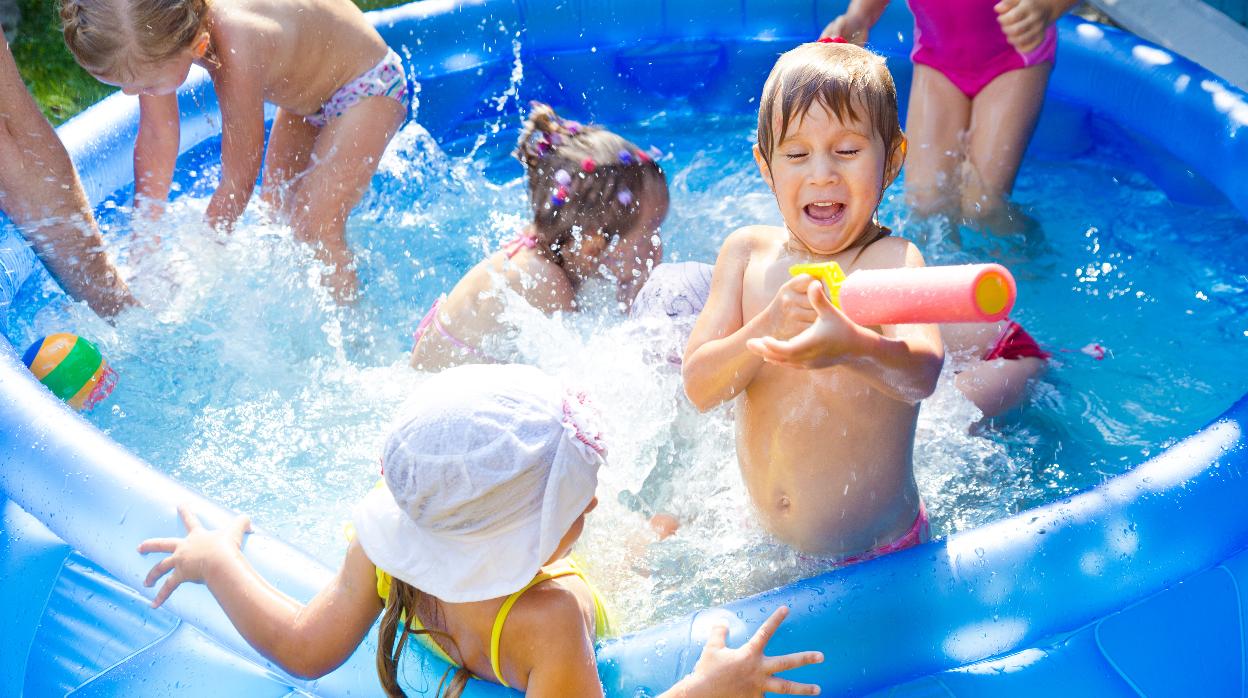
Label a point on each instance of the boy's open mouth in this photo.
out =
(824, 212)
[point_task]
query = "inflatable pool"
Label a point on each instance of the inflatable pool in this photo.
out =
(1130, 588)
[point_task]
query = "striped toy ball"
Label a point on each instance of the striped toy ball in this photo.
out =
(72, 368)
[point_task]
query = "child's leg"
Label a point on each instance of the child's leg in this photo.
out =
(995, 385)
(290, 148)
(998, 385)
(342, 164)
(938, 116)
(1003, 116)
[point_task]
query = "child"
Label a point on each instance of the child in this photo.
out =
(980, 70)
(341, 95)
(826, 421)
(597, 204)
(463, 549)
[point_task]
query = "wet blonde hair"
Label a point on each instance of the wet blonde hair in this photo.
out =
(118, 38)
(843, 78)
(603, 203)
(405, 603)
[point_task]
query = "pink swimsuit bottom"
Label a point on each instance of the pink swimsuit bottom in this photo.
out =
(920, 532)
(431, 321)
(386, 79)
(962, 40)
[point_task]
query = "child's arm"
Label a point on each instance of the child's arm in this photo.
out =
(857, 21)
(242, 141)
(1024, 22)
(155, 152)
(307, 641)
(717, 365)
(902, 361)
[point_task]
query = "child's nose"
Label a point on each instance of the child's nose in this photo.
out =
(825, 169)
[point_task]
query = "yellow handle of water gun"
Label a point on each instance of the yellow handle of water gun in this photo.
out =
(829, 274)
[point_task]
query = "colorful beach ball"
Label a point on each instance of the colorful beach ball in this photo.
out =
(72, 368)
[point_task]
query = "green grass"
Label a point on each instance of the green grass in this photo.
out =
(61, 88)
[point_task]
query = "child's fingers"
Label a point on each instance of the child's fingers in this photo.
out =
(768, 628)
(784, 662)
(159, 570)
(718, 638)
(189, 519)
(819, 300)
(158, 545)
(165, 590)
(789, 688)
(1005, 6)
(770, 348)
(240, 527)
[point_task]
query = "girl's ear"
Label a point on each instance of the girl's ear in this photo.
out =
(895, 161)
(199, 49)
(763, 168)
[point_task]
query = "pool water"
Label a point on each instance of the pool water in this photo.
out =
(241, 378)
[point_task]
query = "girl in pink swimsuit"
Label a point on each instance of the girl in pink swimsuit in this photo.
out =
(597, 203)
(981, 67)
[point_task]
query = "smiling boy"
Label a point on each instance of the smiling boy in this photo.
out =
(826, 420)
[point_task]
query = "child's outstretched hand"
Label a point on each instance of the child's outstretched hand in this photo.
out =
(746, 672)
(824, 343)
(191, 557)
(851, 27)
(1024, 22)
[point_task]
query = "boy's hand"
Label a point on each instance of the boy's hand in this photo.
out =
(824, 343)
(790, 312)
(746, 672)
(851, 27)
(1024, 22)
(192, 557)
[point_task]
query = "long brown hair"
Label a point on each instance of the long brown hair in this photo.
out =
(405, 603)
(605, 179)
(117, 38)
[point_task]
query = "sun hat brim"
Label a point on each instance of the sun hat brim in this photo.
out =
(453, 569)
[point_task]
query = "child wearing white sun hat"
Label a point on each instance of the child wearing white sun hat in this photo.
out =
(487, 482)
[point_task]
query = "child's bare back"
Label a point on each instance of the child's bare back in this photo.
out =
(825, 455)
(299, 52)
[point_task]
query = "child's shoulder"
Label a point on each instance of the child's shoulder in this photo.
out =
(889, 252)
(751, 239)
(553, 619)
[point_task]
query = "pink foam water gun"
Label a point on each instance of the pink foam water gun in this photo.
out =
(964, 293)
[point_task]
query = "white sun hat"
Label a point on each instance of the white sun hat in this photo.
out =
(485, 472)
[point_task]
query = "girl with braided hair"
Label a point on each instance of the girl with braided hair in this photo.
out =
(341, 95)
(597, 203)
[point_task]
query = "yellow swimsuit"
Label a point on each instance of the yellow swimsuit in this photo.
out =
(561, 568)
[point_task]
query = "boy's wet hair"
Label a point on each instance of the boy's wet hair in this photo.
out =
(118, 38)
(584, 181)
(843, 78)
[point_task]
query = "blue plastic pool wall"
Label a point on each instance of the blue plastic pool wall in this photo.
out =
(1131, 588)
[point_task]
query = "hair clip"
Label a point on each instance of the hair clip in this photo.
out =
(833, 40)
(573, 127)
(559, 198)
(589, 165)
(625, 197)
(625, 157)
(563, 178)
